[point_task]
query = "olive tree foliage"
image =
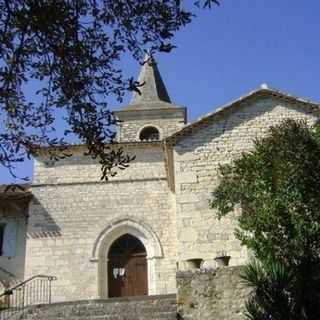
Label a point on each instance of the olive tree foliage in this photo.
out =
(277, 186)
(71, 49)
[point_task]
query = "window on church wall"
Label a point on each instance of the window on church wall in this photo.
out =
(149, 134)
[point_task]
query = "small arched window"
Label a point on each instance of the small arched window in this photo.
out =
(149, 134)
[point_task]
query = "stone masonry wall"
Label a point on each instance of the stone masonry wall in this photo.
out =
(79, 169)
(71, 208)
(196, 161)
(211, 294)
(166, 123)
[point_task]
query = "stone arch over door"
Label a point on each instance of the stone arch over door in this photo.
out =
(111, 233)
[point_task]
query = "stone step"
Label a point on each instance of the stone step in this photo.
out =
(154, 316)
(51, 316)
(133, 308)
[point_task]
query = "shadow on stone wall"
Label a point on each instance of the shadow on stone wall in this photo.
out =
(78, 157)
(41, 224)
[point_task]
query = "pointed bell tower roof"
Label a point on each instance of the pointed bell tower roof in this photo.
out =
(153, 93)
(150, 112)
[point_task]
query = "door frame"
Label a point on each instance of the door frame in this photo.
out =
(112, 232)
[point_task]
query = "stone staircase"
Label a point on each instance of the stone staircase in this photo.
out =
(162, 307)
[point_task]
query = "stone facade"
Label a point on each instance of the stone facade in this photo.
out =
(167, 121)
(72, 209)
(197, 157)
(161, 199)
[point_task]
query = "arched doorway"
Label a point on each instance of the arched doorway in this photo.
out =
(127, 267)
(113, 231)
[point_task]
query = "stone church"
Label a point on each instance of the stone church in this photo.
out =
(130, 235)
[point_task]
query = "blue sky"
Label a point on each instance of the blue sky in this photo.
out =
(230, 50)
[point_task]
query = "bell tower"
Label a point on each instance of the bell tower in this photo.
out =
(150, 115)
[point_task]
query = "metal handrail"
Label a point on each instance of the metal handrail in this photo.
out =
(35, 290)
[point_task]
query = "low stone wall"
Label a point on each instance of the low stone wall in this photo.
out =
(211, 294)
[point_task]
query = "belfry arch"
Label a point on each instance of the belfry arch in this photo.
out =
(113, 232)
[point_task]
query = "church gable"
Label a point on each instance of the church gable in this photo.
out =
(201, 147)
(234, 125)
(252, 99)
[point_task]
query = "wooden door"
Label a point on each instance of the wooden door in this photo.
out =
(127, 268)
